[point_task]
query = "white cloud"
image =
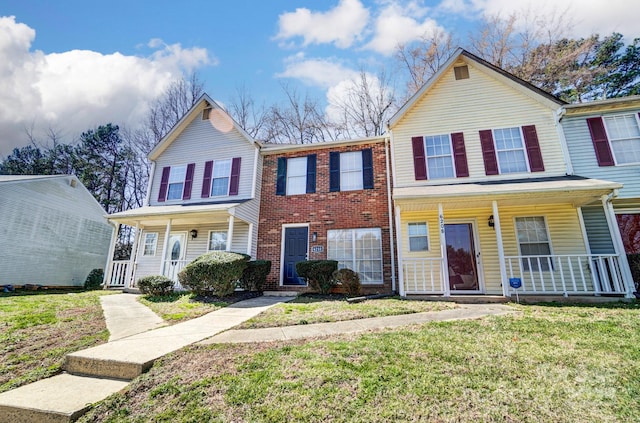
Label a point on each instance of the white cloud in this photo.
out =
(398, 24)
(323, 73)
(586, 16)
(77, 90)
(341, 25)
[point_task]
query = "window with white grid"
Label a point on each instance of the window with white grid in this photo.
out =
(177, 176)
(220, 178)
(418, 237)
(297, 176)
(351, 171)
(439, 157)
(510, 150)
(359, 250)
(150, 243)
(624, 136)
(533, 240)
(217, 241)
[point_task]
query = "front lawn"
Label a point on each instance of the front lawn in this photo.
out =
(314, 309)
(179, 306)
(37, 329)
(546, 364)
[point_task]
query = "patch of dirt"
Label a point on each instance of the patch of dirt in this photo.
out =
(230, 299)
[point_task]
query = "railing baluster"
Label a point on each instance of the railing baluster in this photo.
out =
(616, 279)
(573, 276)
(584, 282)
(552, 272)
(533, 283)
(542, 281)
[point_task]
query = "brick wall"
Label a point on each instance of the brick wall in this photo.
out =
(323, 210)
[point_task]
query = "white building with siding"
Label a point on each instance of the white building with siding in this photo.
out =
(53, 231)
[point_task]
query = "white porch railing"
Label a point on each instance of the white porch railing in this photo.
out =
(118, 274)
(171, 270)
(423, 276)
(567, 274)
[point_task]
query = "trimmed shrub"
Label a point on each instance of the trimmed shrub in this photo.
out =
(318, 274)
(155, 285)
(634, 264)
(349, 280)
(214, 273)
(94, 280)
(255, 275)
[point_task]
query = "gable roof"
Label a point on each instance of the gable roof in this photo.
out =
(607, 105)
(506, 77)
(202, 103)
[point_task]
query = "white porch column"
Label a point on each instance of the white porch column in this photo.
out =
(132, 259)
(503, 267)
(587, 248)
(618, 246)
(165, 245)
(112, 248)
(232, 219)
(401, 290)
(443, 252)
(250, 241)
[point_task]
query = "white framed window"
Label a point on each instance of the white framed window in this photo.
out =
(418, 236)
(297, 176)
(351, 171)
(177, 175)
(220, 178)
(623, 132)
(439, 156)
(217, 241)
(510, 150)
(150, 244)
(359, 250)
(533, 240)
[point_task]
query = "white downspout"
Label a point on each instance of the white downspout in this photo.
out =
(610, 215)
(399, 250)
(390, 211)
(443, 253)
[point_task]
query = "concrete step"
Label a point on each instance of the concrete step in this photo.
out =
(62, 398)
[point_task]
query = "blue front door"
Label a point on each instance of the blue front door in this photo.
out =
(295, 250)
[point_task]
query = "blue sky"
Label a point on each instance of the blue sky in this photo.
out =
(72, 65)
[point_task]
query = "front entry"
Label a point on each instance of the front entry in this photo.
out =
(461, 257)
(295, 250)
(175, 255)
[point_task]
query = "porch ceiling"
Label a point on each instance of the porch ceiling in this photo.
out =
(567, 190)
(179, 214)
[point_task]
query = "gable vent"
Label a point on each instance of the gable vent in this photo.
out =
(205, 113)
(461, 72)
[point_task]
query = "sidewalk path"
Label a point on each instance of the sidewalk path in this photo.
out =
(125, 316)
(463, 311)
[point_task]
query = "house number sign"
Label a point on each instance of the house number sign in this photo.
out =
(317, 249)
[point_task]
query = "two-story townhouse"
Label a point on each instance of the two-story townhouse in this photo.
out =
(327, 201)
(203, 195)
(483, 197)
(603, 138)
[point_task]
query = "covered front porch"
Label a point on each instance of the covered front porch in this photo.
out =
(167, 238)
(501, 238)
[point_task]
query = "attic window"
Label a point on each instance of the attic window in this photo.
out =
(461, 72)
(205, 113)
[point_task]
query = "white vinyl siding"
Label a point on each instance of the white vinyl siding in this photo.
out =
(359, 250)
(439, 157)
(510, 150)
(220, 178)
(624, 137)
(297, 176)
(150, 243)
(177, 176)
(351, 171)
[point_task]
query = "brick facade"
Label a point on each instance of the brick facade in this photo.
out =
(323, 210)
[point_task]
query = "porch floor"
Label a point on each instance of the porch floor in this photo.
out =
(462, 299)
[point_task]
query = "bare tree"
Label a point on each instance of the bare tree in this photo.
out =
(244, 110)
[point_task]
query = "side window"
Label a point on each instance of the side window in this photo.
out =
(418, 237)
(150, 243)
(217, 241)
(533, 240)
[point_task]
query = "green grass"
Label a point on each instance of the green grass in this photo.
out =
(179, 306)
(307, 310)
(38, 328)
(546, 364)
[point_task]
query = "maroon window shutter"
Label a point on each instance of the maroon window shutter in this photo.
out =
(419, 159)
(206, 181)
(459, 155)
(533, 148)
(164, 184)
(600, 142)
(188, 181)
(235, 176)
(488, 152)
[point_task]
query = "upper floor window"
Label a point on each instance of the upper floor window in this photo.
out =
(510, 150)
(176, 182)
(624, 136)
(351, 171)
(296, 175)
(439, 157)
(220, 178)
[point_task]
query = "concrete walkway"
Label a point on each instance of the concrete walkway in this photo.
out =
(126, 316)
(463, 311)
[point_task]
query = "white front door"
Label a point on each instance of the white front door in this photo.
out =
(175, 255)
